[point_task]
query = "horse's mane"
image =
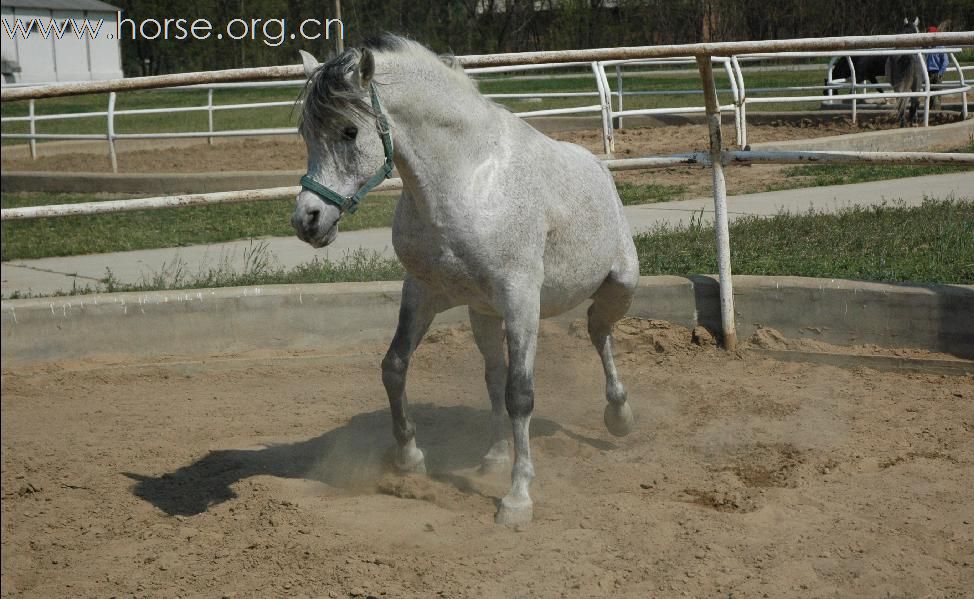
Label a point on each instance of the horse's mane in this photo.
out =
(329, 95)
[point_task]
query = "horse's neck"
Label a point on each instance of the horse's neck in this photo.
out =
(438, 126)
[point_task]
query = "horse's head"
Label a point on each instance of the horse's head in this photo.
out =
(911, 26)
(347, 139)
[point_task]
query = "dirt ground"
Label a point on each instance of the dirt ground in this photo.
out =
(265, 155)
(262, 476)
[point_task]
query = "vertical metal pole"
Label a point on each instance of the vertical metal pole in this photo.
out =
(960, 78)
(737, 102)
(605, 101)
(619, 93)
(111, 132)
(728, 326)
(852, 77)
(828, 79)
(743, 92)
(33, 130)
(209, 114)
(926, 89)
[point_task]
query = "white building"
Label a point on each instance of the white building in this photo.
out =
(44, 41)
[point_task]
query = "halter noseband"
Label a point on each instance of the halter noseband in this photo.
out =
(350, 203)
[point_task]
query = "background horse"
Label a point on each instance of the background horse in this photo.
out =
(493, 215)
(868, 68)
(905, 73)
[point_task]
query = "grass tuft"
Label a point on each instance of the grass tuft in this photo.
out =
(651, 193)
(932, 243)
(175, 227)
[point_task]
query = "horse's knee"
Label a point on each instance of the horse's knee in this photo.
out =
(519, 396)
(394, 369)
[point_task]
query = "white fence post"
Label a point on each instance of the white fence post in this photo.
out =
(111, 132)
(209, 114)
(728, 327)
(743, 92)
(619, 92)
(852, 86)
(33, 130)
(737, 103)
(963, 94)
(828, 78)
(926, 89)
(605, 100)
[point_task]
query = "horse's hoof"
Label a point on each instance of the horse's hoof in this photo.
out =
(412, 460)
(618, 419)
(514, 512)
(497, 459)
(490, 463)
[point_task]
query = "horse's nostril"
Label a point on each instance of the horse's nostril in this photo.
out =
(313, 216)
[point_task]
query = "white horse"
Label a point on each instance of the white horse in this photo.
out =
(493, 215)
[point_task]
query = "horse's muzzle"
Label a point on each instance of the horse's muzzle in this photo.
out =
(315, 222)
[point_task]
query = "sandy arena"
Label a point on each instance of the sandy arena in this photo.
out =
(262, 476)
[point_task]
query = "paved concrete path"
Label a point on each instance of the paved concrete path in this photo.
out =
(48, 275)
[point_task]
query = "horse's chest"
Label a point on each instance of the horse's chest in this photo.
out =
(434, 259)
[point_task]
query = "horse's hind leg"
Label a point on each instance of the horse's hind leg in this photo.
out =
(488, 332)
(416, 313)
(610, 303)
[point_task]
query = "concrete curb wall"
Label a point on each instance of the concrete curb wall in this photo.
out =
(939, 318)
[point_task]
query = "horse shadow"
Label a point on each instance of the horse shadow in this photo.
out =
(352, 457)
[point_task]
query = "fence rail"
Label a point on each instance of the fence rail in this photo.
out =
(703, 54)
(612, 116)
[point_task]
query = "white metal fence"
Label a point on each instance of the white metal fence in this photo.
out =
(603, 94)
(715, 159)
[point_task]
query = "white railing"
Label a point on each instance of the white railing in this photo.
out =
(716, 158)
(612, 117)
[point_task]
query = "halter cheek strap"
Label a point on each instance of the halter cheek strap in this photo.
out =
(350, 203)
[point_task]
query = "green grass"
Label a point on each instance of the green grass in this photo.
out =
(176, 227)
(73, 235)
(933, 243)
(259, 268)
(818, 175)
(650, 193)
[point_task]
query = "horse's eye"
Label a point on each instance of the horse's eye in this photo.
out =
(350, 132)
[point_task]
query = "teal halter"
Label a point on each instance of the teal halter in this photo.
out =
(350, 203)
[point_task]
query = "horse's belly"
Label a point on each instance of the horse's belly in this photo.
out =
(569, 283)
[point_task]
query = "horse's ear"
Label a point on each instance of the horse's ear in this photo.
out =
(451, 62)
(310, 63)
(366, 67)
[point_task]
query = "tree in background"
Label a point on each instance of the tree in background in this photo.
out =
(484, 26)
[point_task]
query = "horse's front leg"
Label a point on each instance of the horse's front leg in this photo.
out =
(521, 316)
(416, 313)
(488, 332)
